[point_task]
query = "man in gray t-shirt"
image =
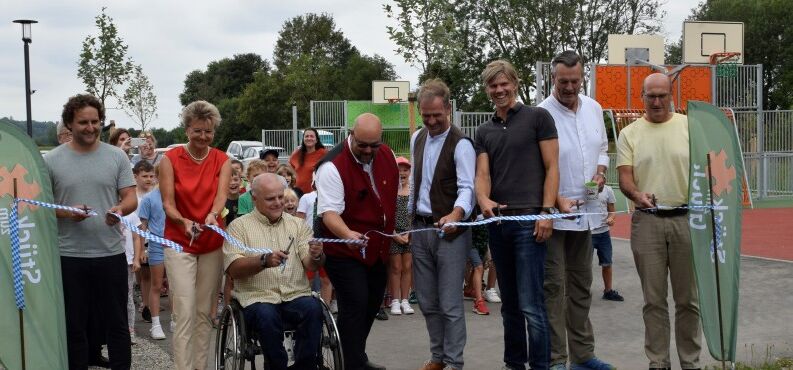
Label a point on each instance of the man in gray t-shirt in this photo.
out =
(92, 175)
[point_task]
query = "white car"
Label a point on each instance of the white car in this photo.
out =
(237, 149)
(255, 152)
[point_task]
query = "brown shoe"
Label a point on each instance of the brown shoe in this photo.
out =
(429, 365)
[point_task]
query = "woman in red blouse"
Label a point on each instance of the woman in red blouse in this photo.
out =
(194, 183)
(305, 158)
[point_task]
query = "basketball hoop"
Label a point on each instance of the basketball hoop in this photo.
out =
(726, 63)
(393, 100)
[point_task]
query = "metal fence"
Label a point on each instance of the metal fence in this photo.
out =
(332, 114)
(280, 138)
(765, 131)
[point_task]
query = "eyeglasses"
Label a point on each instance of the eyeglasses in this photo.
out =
(653, 97)
(362, 145)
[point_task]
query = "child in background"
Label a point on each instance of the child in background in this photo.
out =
(286, 171)
(270, 157)
(132, 243)
(236, 164)
(245, 201)
(473, 281)
(232, 200)
(145, 180)
(306, 209)
(290, 201)
(152, 219)
(601, 239)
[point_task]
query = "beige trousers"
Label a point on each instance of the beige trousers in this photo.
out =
(568, 277)
(193, 280)
(662, 247)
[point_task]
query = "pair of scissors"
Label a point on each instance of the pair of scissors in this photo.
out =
(195, 231)
(288, 247)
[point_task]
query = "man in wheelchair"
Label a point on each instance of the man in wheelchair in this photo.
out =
(272, 288)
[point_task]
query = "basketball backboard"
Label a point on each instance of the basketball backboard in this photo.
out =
(701, 39)
(624, 49)
(384, 92)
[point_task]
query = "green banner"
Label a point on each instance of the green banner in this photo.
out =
(712, 133)
(43, 317)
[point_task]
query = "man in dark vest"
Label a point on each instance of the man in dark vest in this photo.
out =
(442, 192)
(357, 184)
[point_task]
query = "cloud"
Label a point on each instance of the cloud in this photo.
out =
(169, 39)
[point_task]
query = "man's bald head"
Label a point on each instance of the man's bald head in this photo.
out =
(267, 190)
(657, 80)
(657, 95)
(368, 125)
(367, 135)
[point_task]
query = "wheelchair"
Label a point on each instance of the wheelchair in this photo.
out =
(235, 344)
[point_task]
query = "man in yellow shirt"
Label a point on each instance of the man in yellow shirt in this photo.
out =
(271, 295)
(653, 164)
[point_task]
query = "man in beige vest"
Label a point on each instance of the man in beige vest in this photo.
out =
(442, 192)
(653, 163)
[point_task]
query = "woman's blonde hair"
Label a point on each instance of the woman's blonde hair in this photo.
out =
(200, 110)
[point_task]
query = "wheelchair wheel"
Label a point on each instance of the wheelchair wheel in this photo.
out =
(230, 340)
(330, 353)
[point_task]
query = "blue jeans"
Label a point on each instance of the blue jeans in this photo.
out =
(304, 314)
(520, 267)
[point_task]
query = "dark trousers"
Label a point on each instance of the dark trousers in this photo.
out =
(96, 286)
(520, 262)
(303, 314)
(359, 292)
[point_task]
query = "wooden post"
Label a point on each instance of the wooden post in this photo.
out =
(411, 113)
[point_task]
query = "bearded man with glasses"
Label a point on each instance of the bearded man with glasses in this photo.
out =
(357, 184)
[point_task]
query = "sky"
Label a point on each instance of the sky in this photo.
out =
(174, 37)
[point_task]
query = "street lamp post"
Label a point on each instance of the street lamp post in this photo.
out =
(27, 38)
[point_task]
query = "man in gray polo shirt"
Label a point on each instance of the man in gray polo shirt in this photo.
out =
(92, 175)
(517, 174)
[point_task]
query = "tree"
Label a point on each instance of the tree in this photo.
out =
(768, 40)
(104, 64)
(523, 32)
(139, 101)
(223, 79)
(314, 36)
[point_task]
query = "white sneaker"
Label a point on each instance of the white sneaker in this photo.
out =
(156, 332)
(396, 308)
(173, 326)
(132, 338)
(406, 307)
(492, 296)
(334, 306)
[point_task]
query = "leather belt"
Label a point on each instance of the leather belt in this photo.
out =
(427, 220)
(519, 211)
(667, 212)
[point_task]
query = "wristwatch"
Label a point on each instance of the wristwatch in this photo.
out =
(263, 260)
(550, 210)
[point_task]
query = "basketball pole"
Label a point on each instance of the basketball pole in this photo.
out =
(716, 262)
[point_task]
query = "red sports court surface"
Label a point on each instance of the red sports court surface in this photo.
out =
(766, 232)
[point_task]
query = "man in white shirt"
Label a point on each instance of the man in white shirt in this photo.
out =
(568, 264)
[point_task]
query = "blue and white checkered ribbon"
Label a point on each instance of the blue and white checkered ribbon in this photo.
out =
(16, 265)
(18, 284)
(236, 242)
(87, 211)
(149, 236)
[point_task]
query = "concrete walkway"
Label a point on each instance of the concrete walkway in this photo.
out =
(765, 323)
